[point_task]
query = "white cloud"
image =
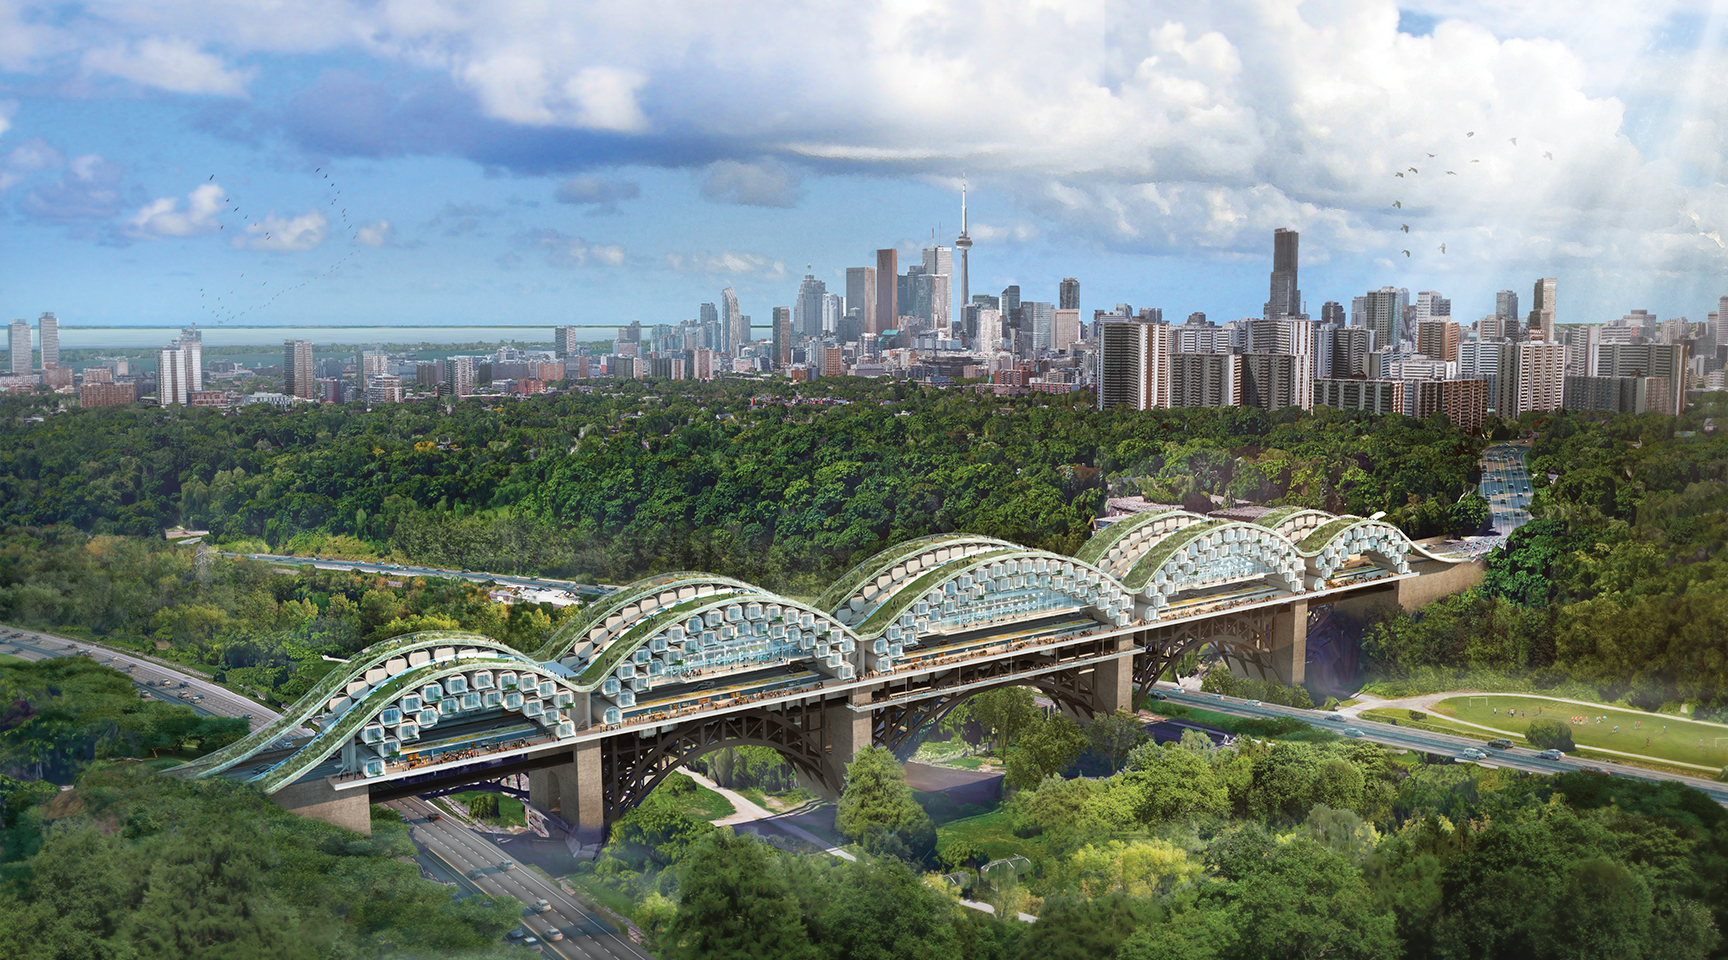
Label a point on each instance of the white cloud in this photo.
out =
(766, 183)
(163, 217)
(729, 263)
(168, 63)
(599, 194)
(285, 235)
(375, 234)
(31, 156)
(564, 250)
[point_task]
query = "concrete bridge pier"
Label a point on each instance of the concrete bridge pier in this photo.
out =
(1113, 685)
(573, 792)
(1289, 643)
(844, 732)
(318, 799)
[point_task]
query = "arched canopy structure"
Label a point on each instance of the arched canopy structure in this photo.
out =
(857, 594)
(1116, 548)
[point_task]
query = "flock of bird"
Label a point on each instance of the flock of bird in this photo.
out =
(1414, 172)
(241, 299)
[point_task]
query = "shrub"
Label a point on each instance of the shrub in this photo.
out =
(1418, 715)
(1550, 734)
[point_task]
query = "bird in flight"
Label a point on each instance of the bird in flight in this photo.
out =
(1471, 134)
(1398, 203)
(1414, 170)
(1406, 253)
(1442, 248)
(1451, 173)
(1404, 227)
(1428, 154)
(1475, 161)
(1512, 140)
(1398, 174)
(1547, 154)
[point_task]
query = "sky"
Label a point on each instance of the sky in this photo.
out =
(431, 162)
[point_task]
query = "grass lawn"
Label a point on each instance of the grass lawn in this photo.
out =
(1673, 739)
(993, 833)
(8, 658)
(1433, 724)
(612, 899)
(509, 808)
(692, 798)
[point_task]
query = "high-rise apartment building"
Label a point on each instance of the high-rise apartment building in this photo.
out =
(22, 353)
(171, 386)
(833, 362)
(1286, 295)
(1532, 377)
(1198, 335)
(1273, 381)
(191, 344)
(1620, 394)
(384, 388)
(887, 315)
(459, 376)
(1542, 309)
(1068, 294)
(1358, 311)
(807, 309)
(734, 328)
(1663, 360)
(1133, 364)
(1372, 396)
(109, 394)
(1464, 402)
(297, 369)
(1437, 338)
(1350, 347)
(1332, 314)
(1506, 305)
(565, 342)
(48, 335)
(1430, 304)
(1064, 328)
(1205, 380)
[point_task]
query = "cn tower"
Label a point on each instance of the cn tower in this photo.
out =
(963, 243)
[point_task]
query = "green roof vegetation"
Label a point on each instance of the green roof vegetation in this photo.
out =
(597, 612)
(1161, 551)
(883, 560)
(1099, 544)
(905, 596)
(1322, 535)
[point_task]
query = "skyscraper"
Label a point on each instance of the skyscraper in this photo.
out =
(297, 377)
(887, 315)
(48, 334)
(191, 344)
(1332, 313)
(1437, 338)
(734, 329)
(1068, 294)
(807, 309)
(21, 352)
(1430, 304)
(861, 293)
(1286, 298)
(171, 386)
(564, 340)
(458, 376)
(783, 332)
(1542, 309)
(1506, 305)
(962, 243)
(1133, 365)
(1382, 314)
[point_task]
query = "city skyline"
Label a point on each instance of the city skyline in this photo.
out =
(604, 196)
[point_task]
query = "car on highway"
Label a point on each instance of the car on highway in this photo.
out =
(1550, 754)
(531, 942)
(245, 716)
(1251, 703)
(477, 872)
(1470, 755)
(554, 934)
(1352, 732)
(1501, 744)
(540, 906)
(506, 865)
(1335, 717)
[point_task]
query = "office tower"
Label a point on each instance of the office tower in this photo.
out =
(565, 342)
(459, 376)
(1437, 338)
(783, 334)
(1133, 364)
(1040, 320)
(1064, 328)
(989, 334)
(708, 313)
(1370, 396)
(1383, 314)
(1286, 298)
(297, 377)
(1010, 302)
(1197, 317)
(807, 309)
(851, 326)
(734, 329)
(1068, 294)
(987, 300)
(1583, 345)
(48, 335)
(1506, 305)
(833, 308)
(1654, 360)
(887, 315)
(1205, 380)
(1273, 381)
(963, 243)
(936, 300)
(191, 345)
(1332, 313)
(938, 261)
(21, 351)
(1430, 304)
(1358, 311)
(1542, 309)
(861, 294)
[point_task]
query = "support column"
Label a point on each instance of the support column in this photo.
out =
(1113, 685)
(573, 792)
(1290, 643)
(845, 732)
(351, 808)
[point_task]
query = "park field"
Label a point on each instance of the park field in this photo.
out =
(1653, 735)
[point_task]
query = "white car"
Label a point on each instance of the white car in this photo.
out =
(1550, 754)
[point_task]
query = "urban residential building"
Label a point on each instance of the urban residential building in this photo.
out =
(1464, 402)
(1209, 379)
(1373, 396)
(297, 376)
(100, 394)
(22, 353)
(1133, 365)
(48, 335)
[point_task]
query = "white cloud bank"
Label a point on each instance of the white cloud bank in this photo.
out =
(163, 217)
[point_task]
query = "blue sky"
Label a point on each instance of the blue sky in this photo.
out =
(524, 162)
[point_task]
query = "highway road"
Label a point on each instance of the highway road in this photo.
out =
(1506, 486)
(472, 576)
(460, 851)
(147, 672)
(1517, 758)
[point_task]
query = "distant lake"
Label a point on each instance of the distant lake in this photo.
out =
(73, 337)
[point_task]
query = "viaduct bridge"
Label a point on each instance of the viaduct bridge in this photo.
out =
(674, 666)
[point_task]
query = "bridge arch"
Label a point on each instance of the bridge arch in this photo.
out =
(857, 594)
(901, 728)
(1210, 554)
(1116, 548)
(1327, 548)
